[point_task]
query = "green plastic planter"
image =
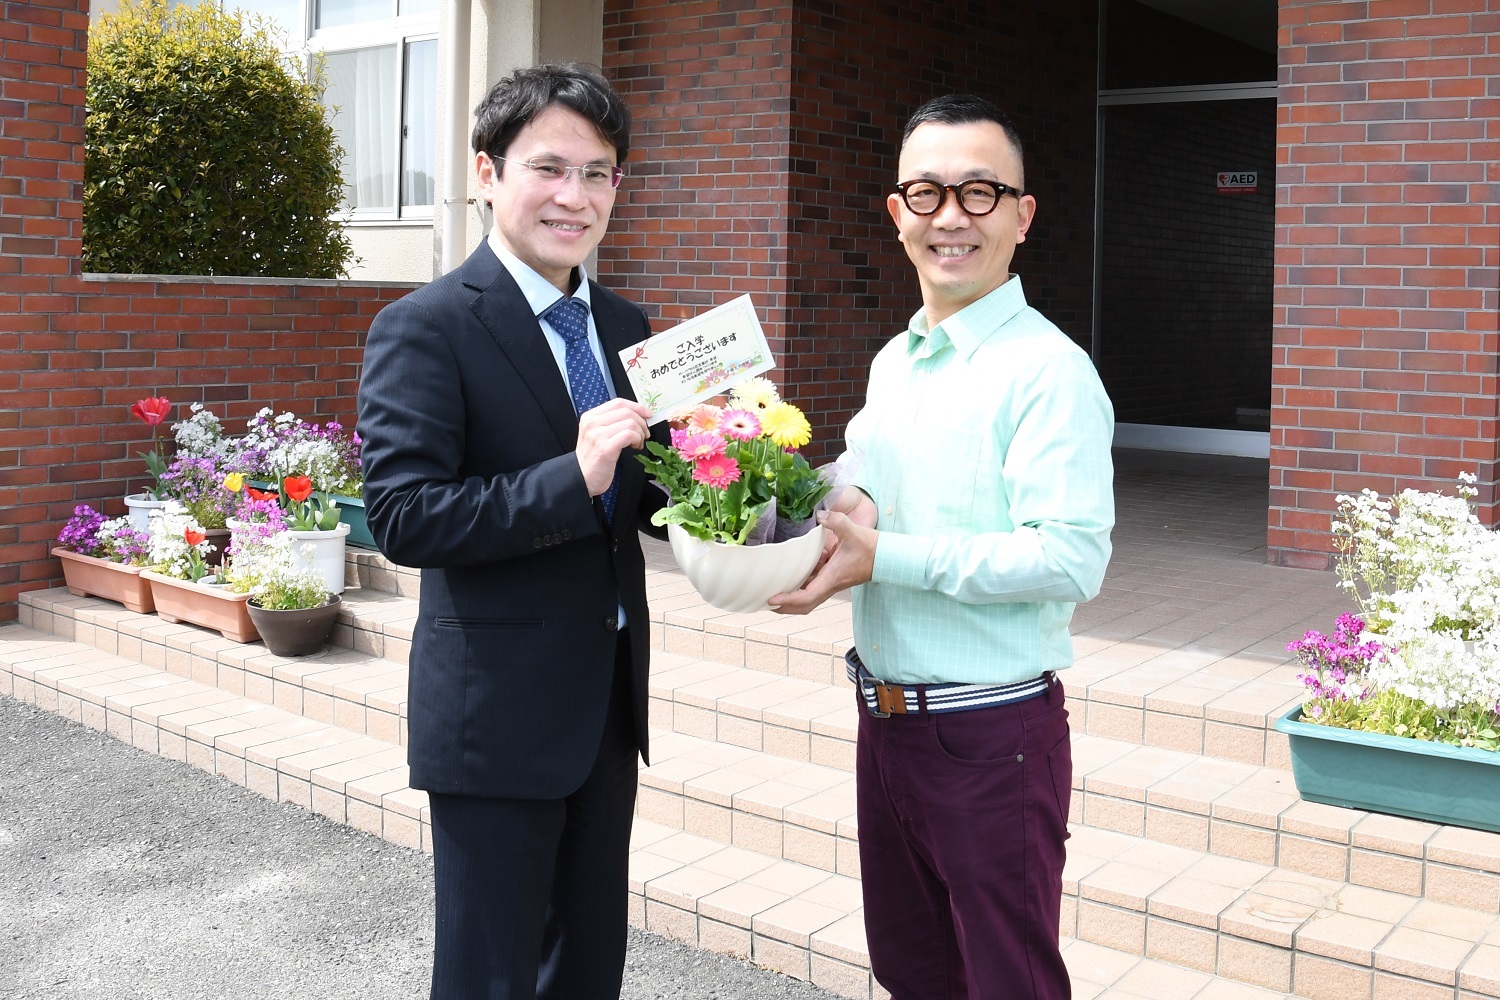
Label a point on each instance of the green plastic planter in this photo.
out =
(352, 513)
(1393, 774)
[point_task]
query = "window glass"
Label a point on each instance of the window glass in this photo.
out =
(362, 92)
(418, 7)
(336, 13)
(418, 124)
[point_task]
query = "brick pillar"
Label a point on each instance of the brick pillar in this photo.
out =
(1387, 258)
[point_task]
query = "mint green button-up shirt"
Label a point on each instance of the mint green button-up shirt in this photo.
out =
(984, 443)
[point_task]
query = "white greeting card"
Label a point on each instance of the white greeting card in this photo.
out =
(698, 358)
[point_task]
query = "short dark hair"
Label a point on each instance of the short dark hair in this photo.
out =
(515, 102)
(964, 109)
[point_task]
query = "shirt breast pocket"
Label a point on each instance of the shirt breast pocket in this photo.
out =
(941, 476)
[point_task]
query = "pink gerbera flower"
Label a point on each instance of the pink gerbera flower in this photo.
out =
(696, 447)
(742, 425)
(717, 471)
(705, 419)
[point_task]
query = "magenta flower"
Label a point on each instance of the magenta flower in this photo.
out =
(696, 447)
(718, 471)
(741, 425)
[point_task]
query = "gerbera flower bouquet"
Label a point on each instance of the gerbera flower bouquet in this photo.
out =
(734, 474)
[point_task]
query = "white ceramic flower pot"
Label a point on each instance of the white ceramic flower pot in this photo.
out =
(326, 556)
(140, 506)
(741, 578)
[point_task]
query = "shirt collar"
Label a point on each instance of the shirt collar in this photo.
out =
(540, 293)
(970, 326)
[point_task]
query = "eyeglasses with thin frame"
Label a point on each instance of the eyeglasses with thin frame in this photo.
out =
(549, 170)
(976, 197)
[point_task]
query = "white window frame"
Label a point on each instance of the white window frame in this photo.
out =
(306, 41)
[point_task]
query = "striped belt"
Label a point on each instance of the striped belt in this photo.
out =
(884, 700)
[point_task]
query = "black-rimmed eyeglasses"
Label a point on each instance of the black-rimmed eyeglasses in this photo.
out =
(549, 170)
(976, 197)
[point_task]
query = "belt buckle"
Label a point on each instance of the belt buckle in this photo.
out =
(871, 696)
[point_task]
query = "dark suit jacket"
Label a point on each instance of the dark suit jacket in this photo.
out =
(468, 435)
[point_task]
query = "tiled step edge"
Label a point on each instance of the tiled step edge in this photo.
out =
(1271, 927)
(805, 812)
(351, 684)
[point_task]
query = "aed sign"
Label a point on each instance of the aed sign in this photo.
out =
(1238, 181)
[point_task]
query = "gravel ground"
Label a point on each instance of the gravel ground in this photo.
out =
(124, 876)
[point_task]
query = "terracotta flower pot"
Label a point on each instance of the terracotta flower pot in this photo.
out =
(301, 632)
(87, 576)
(742, 577)
(219, 539)
(217, 608)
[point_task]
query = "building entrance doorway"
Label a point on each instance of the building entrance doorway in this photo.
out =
(1186, 227)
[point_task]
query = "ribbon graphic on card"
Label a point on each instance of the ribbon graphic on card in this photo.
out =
(698, 358)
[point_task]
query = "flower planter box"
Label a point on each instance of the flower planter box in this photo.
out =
(1393, 774)
(352, 513)
(216, 608)
(86, 576)
(300, 632)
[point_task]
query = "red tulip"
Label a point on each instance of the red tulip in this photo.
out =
(255, 494)
(152, 410)
(298, 488)
(193, 537)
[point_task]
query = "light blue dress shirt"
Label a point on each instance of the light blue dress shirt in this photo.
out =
(984, 443)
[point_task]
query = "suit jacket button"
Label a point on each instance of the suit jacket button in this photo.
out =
(612, 624)
(536, 543)
(566, 535)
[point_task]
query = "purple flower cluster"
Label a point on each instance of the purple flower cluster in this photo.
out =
(199, 484)
(1337, 665)
(81, 533)
(129, 546)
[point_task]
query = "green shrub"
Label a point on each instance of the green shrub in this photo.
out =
(206, 150)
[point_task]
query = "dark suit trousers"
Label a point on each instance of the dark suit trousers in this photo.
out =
(531, 893)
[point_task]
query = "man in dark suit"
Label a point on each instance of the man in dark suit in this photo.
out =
(498, 456)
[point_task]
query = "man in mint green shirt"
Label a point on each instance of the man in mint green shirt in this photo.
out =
(981, 518)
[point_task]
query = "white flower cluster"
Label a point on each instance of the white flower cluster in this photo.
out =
(293, 447)
(1426, 575)
(269, 569)
(169, 548)
(202, 436)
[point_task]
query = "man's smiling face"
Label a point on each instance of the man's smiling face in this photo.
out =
(960, 258)
(550, 225)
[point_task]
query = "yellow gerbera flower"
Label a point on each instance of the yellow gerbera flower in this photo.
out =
(785, 424)
(755, 394)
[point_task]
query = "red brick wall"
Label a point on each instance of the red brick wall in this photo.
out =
(766, 139)
(1387, 258)
(78, 350)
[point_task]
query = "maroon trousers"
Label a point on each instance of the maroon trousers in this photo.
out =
(962, 819)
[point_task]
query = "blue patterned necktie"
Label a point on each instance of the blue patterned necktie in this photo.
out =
(570, 318)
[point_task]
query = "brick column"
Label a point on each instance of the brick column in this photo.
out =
(1387, 258)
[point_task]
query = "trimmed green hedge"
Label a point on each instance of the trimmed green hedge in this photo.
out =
(206, 150)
